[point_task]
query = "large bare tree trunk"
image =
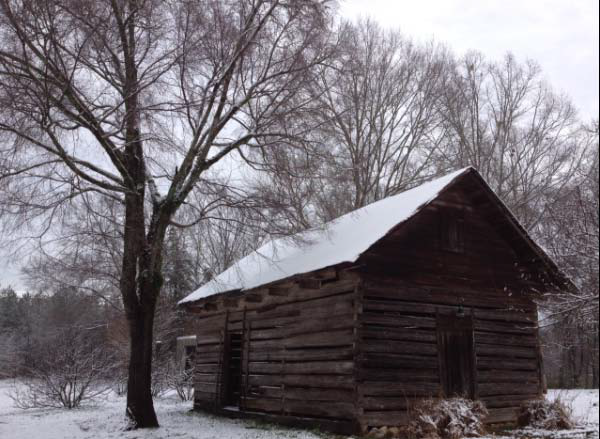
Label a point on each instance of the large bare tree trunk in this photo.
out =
(140, 408)
(140, 303)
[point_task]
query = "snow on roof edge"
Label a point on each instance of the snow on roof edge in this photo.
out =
(328, 245)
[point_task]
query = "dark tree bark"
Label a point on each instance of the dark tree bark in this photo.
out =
(124, 99)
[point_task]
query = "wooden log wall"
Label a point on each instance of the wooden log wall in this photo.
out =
(210, 334)
(408, 278)
(297, 353)
(398, 360)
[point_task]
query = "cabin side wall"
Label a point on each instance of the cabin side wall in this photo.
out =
(409, 279)
(297, 353)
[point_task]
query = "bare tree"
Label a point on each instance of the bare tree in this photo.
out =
(521, 136)
(570, 232)
(377, 110)
(374, 108)
(133, 101)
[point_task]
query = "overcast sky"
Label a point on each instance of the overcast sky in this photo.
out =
(562, 36)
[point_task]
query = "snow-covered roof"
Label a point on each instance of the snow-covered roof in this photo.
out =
(341, 240)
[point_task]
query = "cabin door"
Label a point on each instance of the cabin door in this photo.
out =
(233, 370)
(456, 355)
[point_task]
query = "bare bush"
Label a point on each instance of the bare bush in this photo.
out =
(160, 374)
(546, 414)
(69, 371)
(453, 418)
(182, 381)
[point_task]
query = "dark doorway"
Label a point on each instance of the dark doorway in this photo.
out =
(457, 355)
(233, 370)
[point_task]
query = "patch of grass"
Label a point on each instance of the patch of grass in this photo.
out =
(546, 414)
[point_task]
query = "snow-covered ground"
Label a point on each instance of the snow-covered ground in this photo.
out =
(584, 406)
(105, 420)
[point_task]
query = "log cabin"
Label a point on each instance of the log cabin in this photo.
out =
(429, 293)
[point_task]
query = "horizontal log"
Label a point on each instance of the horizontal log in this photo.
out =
(284, 309)
(414, 308)
(305, 354)
(205, 387)
(506, 339)
(488, 350)
(324, 409)
(391, 388)
(265, 345)
(394, 288)
(206, 368)
(397, 321)
(399, 347)
(490, 389)
(209, 324)
(306, 325)
(265, 392)
(201, 358)
(300, 295)
(322, 381)
(414, 273)
(263, 405)
(319, 381)
(265, 368)
(286, 314)
(504, 327)
(504, 401)
(399, 334)
(508, 376)
(486, 363)
(312, 324)
(384, 418)
(403, 375)
(203, 338)
(387, 403)
(264, 381)
(333, 338)
(311, 367)
(205, 378)
(316, 394)
(387, 361)
(208, 349)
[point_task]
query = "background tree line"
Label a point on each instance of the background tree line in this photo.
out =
(284, 117)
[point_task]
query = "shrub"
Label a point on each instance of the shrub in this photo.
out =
(453, 418)
(182, 380)
(547, 415)
(68, 370)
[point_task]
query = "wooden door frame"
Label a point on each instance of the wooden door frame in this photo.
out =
(465, 323)
(225, 370)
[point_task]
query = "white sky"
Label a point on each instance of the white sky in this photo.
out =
(562, 36)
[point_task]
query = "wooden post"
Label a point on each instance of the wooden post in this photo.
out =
(244, 361)
(543, 387)
(358, 399)
(222, 363)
